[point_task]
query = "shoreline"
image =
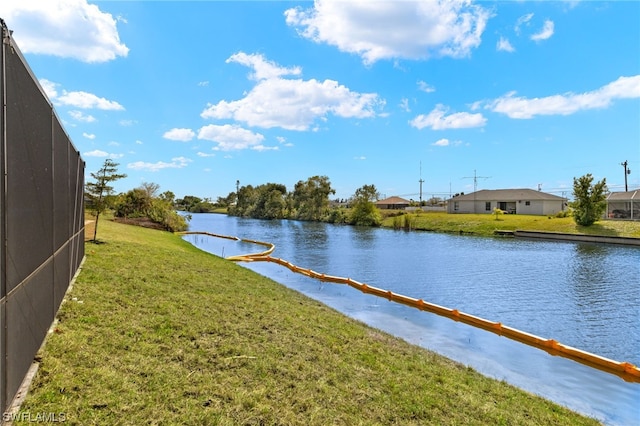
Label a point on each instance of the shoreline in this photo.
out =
(561, 236)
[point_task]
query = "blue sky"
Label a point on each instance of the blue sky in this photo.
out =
(196, 95)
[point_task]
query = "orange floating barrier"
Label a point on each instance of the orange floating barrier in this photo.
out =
(625, 370)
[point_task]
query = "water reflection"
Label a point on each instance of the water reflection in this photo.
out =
(603, 291)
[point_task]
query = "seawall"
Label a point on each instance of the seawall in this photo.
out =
(559, 236)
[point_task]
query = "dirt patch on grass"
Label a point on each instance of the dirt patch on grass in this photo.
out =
(145, 222)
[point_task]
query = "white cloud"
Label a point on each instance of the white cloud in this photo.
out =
(230, 137)
(568, 103)
(523, 20)
(262, 69)
(176, 163)
(447, 142)
(64, 28)
(360, 158)
(404, 104)
(49, 88)
(261, 148)
(96, 153)
(87, 100)
(127, 123)
(441, 142)
(283, 141)
(80, 116)
(437, 120)
(291, 104)
(99, 153)
(183, 135)
(204, 154)
(420, 29)
(80, 99)
(203, 83)
(545, 33)
(427, 88)
(504, 45)
(89, 135)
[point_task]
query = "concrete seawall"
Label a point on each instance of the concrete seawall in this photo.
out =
(629, 241)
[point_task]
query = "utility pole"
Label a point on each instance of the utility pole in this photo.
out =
(421, 182)
(475, 178)
(626, 172)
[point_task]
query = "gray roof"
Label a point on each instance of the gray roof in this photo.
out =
(507, 195)
(624, 196)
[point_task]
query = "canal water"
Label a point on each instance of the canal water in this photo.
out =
(580, 294)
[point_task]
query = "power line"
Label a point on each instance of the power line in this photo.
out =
(421, 182)
(626, 172)
(475, 178)
(475, 186)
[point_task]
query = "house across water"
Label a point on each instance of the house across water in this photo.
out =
(394, 202)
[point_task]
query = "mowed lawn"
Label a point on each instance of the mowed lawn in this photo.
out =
(155, 331)
(487, 224)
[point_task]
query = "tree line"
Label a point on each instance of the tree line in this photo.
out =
(308, 201)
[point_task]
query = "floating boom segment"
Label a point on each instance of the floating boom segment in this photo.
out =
(625, 370)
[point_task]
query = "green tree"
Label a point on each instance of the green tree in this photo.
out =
(363, 209)
(161, 211)
(168, 196)
(589, 200)
(99, 192)
(267, 201)
(189, 203)
(227, 201)
(247, 197)
(133, 203)
(311, 198)
(144, 202)
(271, 201)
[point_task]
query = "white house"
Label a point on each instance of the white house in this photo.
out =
(513, 201)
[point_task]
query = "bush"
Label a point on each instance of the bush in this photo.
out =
(140, 203)
(338, 215)
(161, 212)
(589, 200)
(365, 213)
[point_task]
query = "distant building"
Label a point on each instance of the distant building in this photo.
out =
(512, 201)
(624, 205)
(396, 203)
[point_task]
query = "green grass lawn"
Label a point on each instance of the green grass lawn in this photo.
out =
(486, 224)
(158, 332)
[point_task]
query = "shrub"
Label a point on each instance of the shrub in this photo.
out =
(338, 215)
